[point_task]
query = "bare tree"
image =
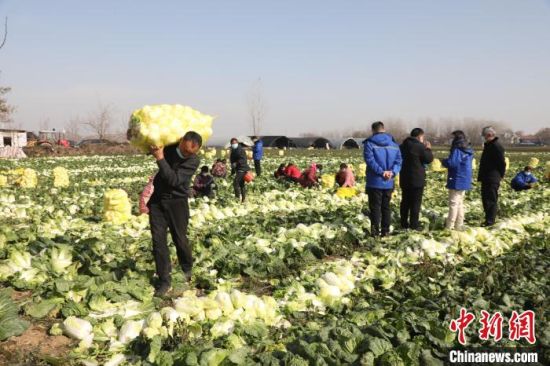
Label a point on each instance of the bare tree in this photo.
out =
(72, 129)
(44, 124)
(99, 122)
(256, 106)
(5, 33)
(6, 110)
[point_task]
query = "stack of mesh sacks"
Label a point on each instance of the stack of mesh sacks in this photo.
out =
(60, 177)
(162, 125)
(346, 192)
(116, 206)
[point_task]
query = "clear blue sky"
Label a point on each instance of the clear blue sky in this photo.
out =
(324, 64)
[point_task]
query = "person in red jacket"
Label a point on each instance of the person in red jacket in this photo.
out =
(292, 173)
(309, 177)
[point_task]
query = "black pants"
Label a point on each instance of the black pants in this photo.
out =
(518, 189)
(170, 214)
(239, 185)
(258, 167)
(410, 207)
(379, 207)
(489, 198)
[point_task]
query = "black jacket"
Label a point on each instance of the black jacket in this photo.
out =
(492, 164)
(415, 155)
(238, 160)
(174, 175)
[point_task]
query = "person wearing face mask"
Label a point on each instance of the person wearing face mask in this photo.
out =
(169, 206)
(524, 180)
(203, 184)
(239, 168)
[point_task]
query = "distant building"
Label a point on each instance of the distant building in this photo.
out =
(15, 138)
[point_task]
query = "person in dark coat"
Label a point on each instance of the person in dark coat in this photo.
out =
(416, 153)
(524, 180)
(257, 154)
(383, 159)
(459, 178)
(169, 206)
(239, 168)
(492, 167)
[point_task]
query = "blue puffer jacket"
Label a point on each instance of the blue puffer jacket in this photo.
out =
(258, 150)
(522, 179)
(459, 164)
(381, 154)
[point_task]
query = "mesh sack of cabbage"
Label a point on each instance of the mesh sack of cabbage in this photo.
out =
(436, 166)
(327, 180)
(165, 124)
(60, 177)
(346, 192)
(27, 178)
(116, 206)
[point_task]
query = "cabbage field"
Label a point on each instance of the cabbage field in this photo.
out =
(288, 278)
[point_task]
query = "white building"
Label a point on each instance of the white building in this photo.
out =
(15, 138)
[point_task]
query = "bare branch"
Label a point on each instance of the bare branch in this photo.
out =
(256, 107)
(5, 33)
(100, 121)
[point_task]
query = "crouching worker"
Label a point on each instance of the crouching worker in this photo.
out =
(280, 172)
(169, 206)
(345, 177)
(310, 176)
(524, 180)
(219, 169)
(203, 185)
(292, 173)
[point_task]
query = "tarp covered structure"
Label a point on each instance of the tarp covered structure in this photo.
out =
(315, 142)
(349, 143)
(277, 141)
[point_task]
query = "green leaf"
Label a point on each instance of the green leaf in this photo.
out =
(42, 308)
(238, 356)
(429, 360)
(379, 346)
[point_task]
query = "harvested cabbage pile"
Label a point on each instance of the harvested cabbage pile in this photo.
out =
(27, 178)
(436, 166)
(327, 180)
(346, 192)
(60, 177)
(117, 207)
(165, 124)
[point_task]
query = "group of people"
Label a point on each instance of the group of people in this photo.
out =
(307, 178)
(385, 159)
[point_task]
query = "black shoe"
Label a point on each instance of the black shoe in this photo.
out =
(162, 289)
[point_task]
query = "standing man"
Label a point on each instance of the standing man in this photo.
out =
(492, 167)
(239, 167)
(169, 208)
(416, 154)
(257, 154)
(383, 160)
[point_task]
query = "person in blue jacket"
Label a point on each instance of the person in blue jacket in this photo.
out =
(257, 154)
(524, 180)
(383, 159)
(459, 178)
